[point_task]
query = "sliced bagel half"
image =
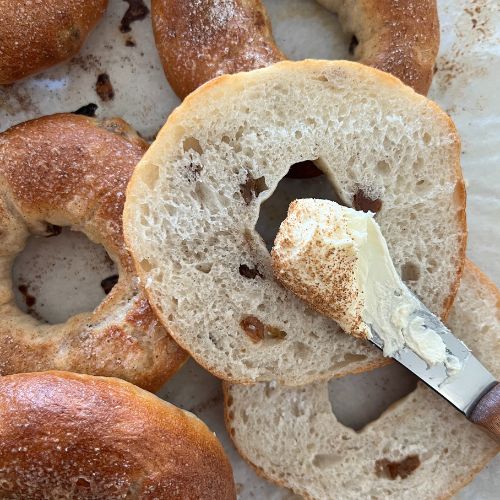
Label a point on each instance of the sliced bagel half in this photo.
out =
(194, 200)
(420, 447)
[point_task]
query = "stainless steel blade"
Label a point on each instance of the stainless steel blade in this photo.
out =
(463, 388)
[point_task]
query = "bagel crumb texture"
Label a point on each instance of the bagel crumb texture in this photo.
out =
(294, 438)
(190, 237)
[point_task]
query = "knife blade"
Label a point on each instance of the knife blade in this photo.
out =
(465, 388)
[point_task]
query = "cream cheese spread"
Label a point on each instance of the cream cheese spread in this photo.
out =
(337, 259)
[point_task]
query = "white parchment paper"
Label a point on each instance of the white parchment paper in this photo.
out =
(466, 85)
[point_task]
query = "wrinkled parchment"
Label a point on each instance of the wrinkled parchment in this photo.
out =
(465, 85)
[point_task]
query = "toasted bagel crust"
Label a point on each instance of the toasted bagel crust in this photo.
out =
(70, 170)
(400, 37)
(37, 35)
(198, 41)
(64, 435)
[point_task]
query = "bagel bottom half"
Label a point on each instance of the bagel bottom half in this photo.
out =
(64, 435)
(419, 448)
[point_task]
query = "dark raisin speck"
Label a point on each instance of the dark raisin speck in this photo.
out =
(392, 470)
(108, 283)
(137, 10)
(253, 327)
(251, 188)
(361, 201)
(87, 110)
(104, 88)
(28, 298)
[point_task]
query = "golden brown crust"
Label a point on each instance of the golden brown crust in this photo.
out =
(71, 170)
(37, 35)
(198, 41)
(79, 436)
(398, 37)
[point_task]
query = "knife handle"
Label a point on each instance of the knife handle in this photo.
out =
(487, 412)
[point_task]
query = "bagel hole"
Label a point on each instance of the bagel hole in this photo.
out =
(56, 277)
(357, 400)
(274, 210)
(294, 21)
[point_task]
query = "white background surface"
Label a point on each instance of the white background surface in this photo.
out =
(465, 85)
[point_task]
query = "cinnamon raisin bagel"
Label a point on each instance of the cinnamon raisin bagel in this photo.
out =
(70, 436)
(195, 198)
(199, 40)
(292, 437)
(37, 35)
(70, 170)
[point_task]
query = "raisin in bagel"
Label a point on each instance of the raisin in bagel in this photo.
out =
(421, 447)
(70, 170)
(64, 435)
(37, 35)
(194, 199)
(199, 40)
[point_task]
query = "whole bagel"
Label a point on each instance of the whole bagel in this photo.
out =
(199, 40)
(70, 170)
(35, 35)
(64, 435)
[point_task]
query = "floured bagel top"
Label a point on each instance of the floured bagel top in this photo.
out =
(194, 200)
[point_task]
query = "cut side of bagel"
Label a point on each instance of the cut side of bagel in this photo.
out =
(421, 447)
(194, 200)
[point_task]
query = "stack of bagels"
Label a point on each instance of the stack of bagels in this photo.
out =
(178, 218)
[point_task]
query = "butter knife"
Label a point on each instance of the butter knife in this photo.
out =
(337, 260)
(472, 390)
